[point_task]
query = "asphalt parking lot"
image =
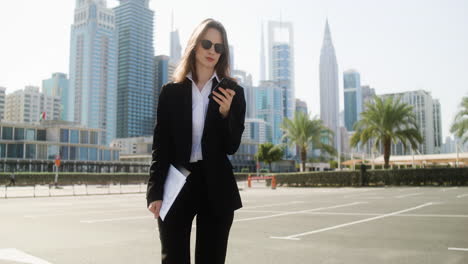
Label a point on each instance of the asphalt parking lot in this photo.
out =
(287, 225)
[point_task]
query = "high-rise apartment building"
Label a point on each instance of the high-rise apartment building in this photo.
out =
(29, 106)
(2, 103)
(93, 68)
(428, 124)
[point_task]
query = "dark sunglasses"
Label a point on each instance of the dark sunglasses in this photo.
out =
(206, 44)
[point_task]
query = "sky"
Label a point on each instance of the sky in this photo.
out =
(396, 46)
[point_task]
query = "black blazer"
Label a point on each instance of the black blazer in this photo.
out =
(172, 143)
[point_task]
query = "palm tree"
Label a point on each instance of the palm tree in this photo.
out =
(460, 125)
(303, 132)
(387, 121)
(267, 152)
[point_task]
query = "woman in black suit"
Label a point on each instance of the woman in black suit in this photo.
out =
(197, 128)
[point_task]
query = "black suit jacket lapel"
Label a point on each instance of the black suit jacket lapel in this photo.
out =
(186, 133)
(213, 106)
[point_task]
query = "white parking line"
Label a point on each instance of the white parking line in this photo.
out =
(91, 221)
(358, 194)
(270, 205)
(451, 188)
(116, 219)
(81, 212)
(458, 249)
(407, 195)
(296, 212)
(295, 237)
(409, 189)
(13, 254)
(260, 211)
(399, 215)
(462, 195)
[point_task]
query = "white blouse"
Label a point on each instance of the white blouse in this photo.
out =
(199, 106)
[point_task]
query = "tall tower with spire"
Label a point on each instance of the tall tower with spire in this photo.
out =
(329, 96)
(175, 43)
(262, 57)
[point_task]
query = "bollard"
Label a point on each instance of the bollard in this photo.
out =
(273, 182)
(6, 190)
(249, 182)
(73, 189)
(34, 194)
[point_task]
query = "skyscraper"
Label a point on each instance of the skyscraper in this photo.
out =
(352, 98)
(368, 94)
(262, 57)
(163, 70)
(135, 97)
(281, 66)
(329, 96)
(175, 47)
(57, 85)
(175, 44)
(281, 61)
(268, 101)
(437, 126)
(301, 106)
(93, 68)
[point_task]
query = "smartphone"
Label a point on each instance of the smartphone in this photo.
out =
(223, 83)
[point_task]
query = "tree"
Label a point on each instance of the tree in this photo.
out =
(302, 132)
(267, 152)
(460, 125)
(387, 121)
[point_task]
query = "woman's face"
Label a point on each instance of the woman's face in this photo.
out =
(208, 58)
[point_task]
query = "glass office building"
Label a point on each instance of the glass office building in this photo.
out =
(352, 98)
(134, 21)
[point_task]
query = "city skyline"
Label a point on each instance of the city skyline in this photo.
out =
(394, 49)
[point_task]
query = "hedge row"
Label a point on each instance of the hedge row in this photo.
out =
(44, 178)
(411, 177)
(75, 178)
(407, 177)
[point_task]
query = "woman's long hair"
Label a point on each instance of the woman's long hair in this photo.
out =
(187, 63)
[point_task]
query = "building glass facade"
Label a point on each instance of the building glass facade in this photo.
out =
(352, 98)
(134, 21)
(92, 95)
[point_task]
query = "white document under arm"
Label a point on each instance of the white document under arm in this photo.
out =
(175, 180)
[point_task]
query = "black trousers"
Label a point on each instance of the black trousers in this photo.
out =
(212, 227)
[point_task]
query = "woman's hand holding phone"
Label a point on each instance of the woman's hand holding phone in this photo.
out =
(224, 101)
(223, 96)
